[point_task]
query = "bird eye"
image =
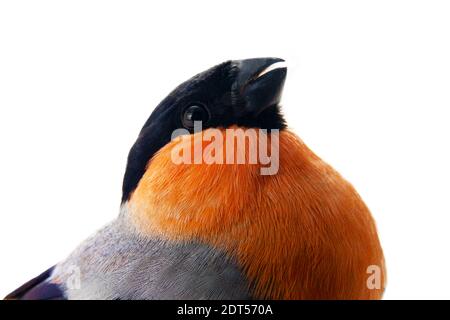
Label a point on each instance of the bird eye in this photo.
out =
(196, 112)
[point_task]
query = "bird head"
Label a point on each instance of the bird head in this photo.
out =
(243, 93)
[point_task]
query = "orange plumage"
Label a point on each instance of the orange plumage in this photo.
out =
(303, 233)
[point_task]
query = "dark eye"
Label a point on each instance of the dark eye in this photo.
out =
(195, 112)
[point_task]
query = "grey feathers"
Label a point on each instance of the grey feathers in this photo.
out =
(119, 263)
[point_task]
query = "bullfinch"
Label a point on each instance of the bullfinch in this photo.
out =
(194, 224)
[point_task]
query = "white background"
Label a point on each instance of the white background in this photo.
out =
(368, 89)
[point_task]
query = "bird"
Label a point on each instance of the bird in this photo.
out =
(224, 230)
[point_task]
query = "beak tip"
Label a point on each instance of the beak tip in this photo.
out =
(261, 81)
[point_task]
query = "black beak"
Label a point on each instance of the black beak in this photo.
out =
(258, 84)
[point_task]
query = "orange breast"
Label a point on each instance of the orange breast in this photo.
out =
(303, 233)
